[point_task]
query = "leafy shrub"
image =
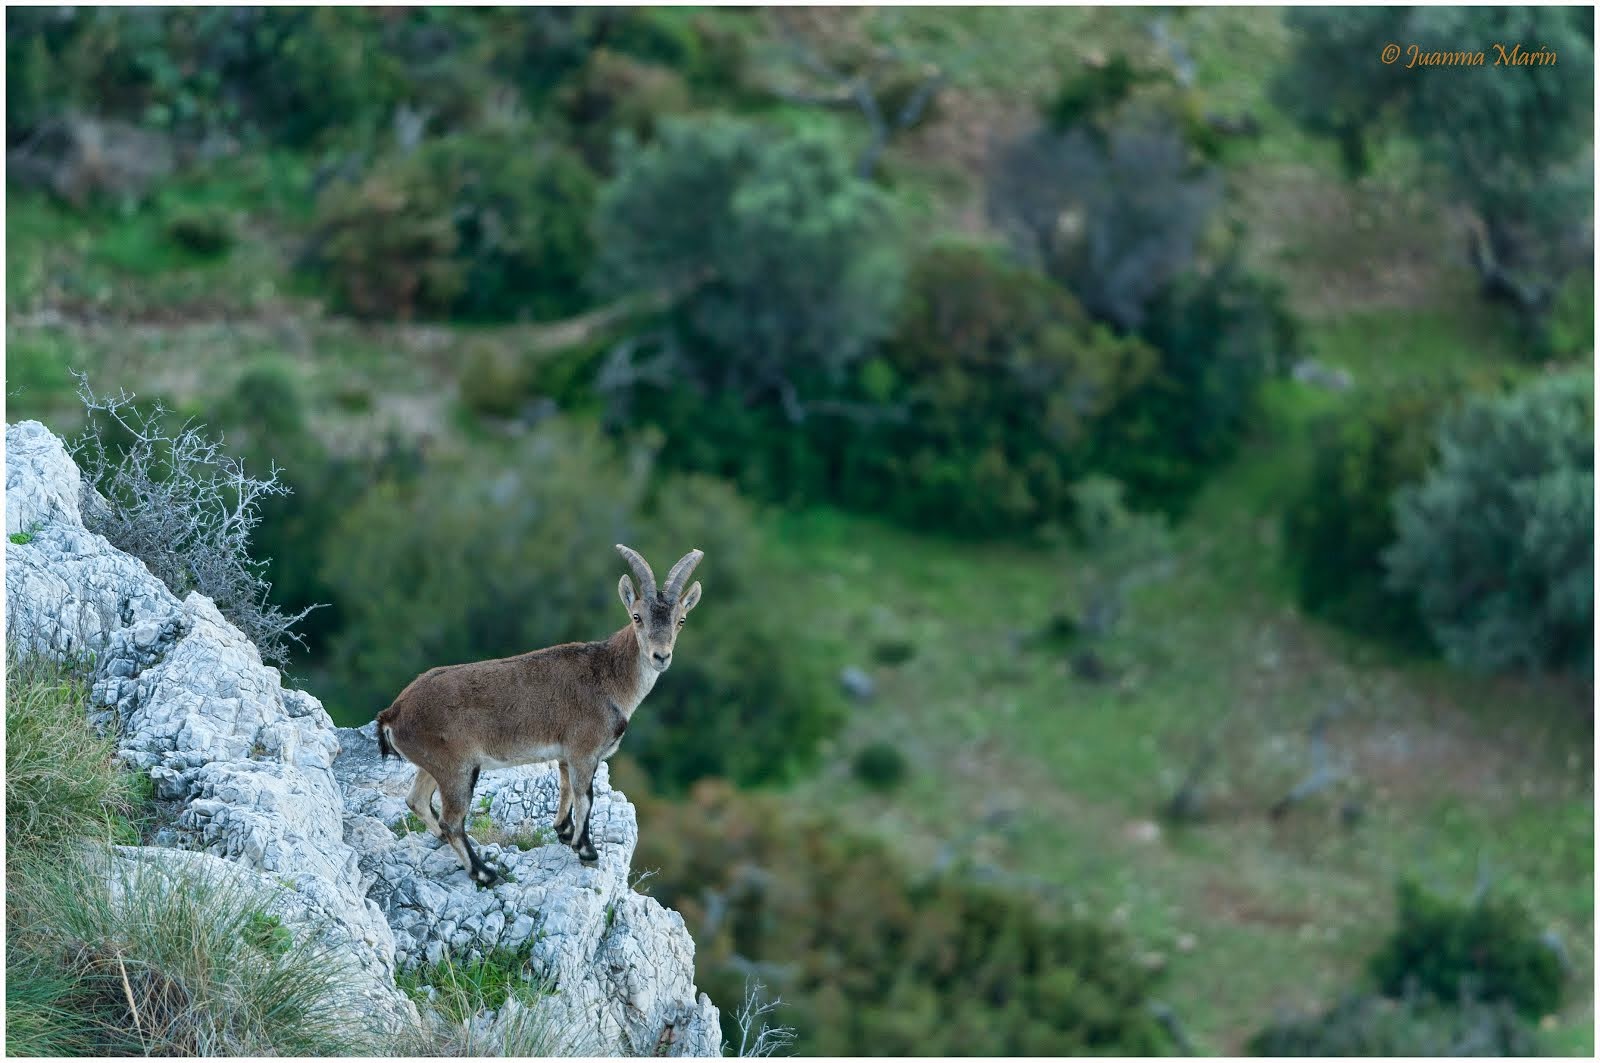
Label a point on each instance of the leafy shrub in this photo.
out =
(185, 507)
(1220, 332)
(1488, 949)
(614, 94)
(873, 960)
(1002, 381)
(492, 383)
(292, 74)
(1338, 525)
(521, 214)
(1371, 1025)
(790, 264)
(1497, 540)
(880, 766)
(204, 231)
(1115, 216)
(466, 563)
(386, 247)
(477, 227)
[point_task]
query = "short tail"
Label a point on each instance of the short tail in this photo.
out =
(385, 750)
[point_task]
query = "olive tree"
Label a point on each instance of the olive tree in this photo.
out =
(789, 261)
(1496, 541)
(1510, 139)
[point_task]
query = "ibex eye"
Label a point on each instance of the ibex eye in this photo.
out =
(636, 619)
(680, 621)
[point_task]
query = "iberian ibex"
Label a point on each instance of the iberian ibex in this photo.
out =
(569, 703)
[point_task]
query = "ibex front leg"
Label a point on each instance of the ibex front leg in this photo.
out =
(582, 777)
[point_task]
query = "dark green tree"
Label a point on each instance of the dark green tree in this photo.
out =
(1497, 540)
(789, 264)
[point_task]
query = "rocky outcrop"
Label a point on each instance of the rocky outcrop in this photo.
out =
(260, 778)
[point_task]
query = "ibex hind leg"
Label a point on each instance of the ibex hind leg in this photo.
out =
(456, 797)
(420, 801)
(564, 811)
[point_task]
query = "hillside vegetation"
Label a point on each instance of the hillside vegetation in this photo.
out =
(1101, 387)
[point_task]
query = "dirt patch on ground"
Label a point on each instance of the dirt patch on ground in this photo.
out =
(1377, 245)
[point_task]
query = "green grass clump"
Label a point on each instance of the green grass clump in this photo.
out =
(461, 990)
(267, 933)
(107, 957)
(62, 781)
(450, 995)
(21, 538)
(410, 823)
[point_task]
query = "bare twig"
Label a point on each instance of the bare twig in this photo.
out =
(756, 1038)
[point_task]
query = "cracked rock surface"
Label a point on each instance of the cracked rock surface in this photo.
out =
(262, 779)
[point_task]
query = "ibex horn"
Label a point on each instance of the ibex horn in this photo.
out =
(680, 573)
(641, 569)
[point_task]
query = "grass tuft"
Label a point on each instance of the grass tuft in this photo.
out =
(112, 957)
(62, 779)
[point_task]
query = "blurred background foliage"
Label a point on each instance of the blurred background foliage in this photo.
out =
(1143, 457)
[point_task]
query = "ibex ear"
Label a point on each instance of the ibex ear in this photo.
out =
(691, 598)
(625, 592)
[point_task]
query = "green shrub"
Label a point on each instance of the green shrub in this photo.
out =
(792, 264)
(872, 958)
(1459, 126)
(267, 933)
(1219, 333)
(482, 227)
(1488, 949)
(492, 382)
(521, 213)
(294, 75)
(1371, 1025)
(386, 247)
(880, 766)
(1342, 518)
(1002, 381)
(203, 231)
(1497, 540)
(495, 558)
(615, 94)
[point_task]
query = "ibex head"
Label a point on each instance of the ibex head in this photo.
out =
(657, 615)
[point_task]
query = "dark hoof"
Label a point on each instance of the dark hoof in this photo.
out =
(483, 876)
(588, 856)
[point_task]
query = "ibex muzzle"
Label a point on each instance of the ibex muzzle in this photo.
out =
(569, 703)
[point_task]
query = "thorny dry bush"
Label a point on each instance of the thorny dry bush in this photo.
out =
(185, 507)
(756, 1038)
